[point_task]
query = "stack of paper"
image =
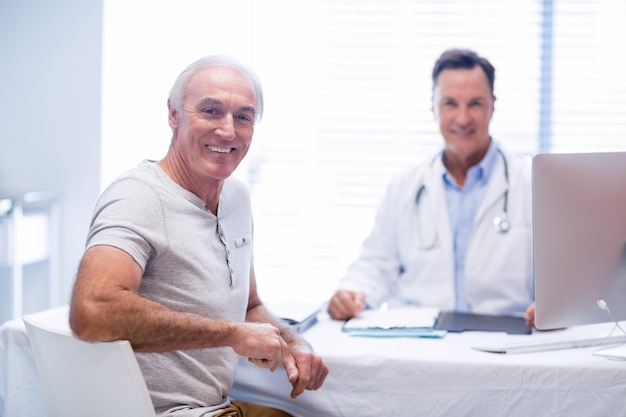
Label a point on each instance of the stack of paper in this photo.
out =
(395, 322)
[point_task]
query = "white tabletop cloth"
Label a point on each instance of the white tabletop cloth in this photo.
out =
(20, 390)
(397, 376)
(446, 377)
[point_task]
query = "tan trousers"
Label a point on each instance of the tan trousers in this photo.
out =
(244, 409)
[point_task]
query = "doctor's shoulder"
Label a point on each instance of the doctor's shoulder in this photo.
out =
(520, 162)
(521, 185)
(409, 177)
(521, 167)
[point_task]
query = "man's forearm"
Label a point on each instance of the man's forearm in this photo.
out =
(148, 326)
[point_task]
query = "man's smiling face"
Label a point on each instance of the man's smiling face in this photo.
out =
(213, 131)
(463, 105)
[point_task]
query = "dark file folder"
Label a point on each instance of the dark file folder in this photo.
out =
(460, 322)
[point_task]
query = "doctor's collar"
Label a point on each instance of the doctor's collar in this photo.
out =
(482, 171)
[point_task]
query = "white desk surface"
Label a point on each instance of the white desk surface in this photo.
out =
(446, 377)
(397, 376)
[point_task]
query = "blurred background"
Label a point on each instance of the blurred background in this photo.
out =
(84, 84)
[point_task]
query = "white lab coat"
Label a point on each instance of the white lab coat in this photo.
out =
(408, 256)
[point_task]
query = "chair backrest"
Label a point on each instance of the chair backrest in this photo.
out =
(85, 379)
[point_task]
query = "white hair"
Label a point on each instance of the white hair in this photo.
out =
(179, 89)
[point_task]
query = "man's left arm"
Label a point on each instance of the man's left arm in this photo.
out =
(305, 369)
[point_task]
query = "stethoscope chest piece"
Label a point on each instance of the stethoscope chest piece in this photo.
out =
(501, 223)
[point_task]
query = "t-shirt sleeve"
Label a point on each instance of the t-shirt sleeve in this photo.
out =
(129, 216)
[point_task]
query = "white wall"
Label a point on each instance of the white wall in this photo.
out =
(139, 68)
(50, 82)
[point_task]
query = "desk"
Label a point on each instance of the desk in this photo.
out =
(401, 377)
(445, 377)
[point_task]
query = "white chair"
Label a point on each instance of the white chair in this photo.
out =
(85, 379)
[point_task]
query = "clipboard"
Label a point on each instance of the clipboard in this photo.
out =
(395, 322)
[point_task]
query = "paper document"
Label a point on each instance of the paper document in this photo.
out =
(394, 318)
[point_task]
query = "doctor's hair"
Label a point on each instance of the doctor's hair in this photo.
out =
(463, 59)
(178, 92)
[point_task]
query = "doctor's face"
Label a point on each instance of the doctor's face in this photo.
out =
(463, 105)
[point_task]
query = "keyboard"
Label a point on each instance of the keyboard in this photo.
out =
(547, 345)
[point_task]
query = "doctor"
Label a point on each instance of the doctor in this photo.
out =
(454, 232)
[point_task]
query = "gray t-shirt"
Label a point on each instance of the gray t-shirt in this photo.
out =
(194, 262)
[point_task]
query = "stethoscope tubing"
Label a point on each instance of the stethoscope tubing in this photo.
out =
(500, 222)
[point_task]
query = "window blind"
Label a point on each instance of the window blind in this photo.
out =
(348, 101)
(589, 85)
(372, 115)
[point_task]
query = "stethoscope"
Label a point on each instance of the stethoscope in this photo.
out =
(501, 223)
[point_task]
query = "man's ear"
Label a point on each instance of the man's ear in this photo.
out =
(172, 116)
(433, 110)
(493, 106)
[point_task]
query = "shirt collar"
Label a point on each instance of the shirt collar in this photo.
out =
(480, 172)
(488, 163)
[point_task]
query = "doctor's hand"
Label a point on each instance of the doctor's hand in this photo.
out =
(529, 316)
(345, 304)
